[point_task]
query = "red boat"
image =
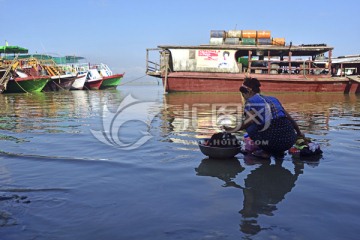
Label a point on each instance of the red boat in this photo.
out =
(93, 84)
(93, 80)
(222, 65)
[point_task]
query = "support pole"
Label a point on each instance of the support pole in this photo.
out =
(329, 67)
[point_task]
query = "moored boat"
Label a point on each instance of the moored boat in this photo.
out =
(59, 83)
(19, 81)
(222, 65)
(93, 80)
(79, 82)
(6, 68)
(60, 80)
(80, 70)
(110, 80)
(23, 83)
(27, 84)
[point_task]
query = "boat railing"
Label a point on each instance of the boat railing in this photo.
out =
(153, 68)
(76, 67)
(51, 67)
(286, 66)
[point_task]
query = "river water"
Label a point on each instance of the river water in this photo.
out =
(124, 164)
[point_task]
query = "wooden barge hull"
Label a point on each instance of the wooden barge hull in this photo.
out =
(225, 82)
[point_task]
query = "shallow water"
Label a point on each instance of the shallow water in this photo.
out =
(148, 179)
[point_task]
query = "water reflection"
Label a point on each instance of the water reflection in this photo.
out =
(54, 111)
(196, 115)
(226, 170)
(267, 183)
(263, 188)
(315, 111)
(266, 186)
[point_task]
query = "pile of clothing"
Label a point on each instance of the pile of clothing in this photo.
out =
(304, 147)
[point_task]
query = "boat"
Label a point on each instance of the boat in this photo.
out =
(79, 81)
(110, 80)
(93, 80)
(22, 83)
(60, 80)
(7, 67)
(231, 56)
(60, 83)
(70, 64)
(18, 81)
(35, 68)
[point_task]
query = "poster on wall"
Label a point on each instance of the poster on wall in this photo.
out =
(215, 58)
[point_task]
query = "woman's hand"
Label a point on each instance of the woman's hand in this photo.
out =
(301, 135)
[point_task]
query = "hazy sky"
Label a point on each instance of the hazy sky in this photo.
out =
(118, 32)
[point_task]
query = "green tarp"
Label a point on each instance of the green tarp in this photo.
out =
(57, 60)
(13, 49)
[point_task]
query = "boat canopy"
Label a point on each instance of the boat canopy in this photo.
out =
(13, 49)
(57, 60)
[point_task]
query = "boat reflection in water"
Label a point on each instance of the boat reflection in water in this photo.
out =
(44, 111)
(198, 114)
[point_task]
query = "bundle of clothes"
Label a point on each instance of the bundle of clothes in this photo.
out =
(222, 139)
(304, 147)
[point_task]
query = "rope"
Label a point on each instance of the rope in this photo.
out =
(53, 80)
(20, 86)
(132, 80)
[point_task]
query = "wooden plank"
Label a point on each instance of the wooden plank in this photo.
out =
(354, 78)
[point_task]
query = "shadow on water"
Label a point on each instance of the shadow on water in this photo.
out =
(225, 169)
(264, 187)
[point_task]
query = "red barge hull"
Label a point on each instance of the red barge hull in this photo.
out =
(224, 82)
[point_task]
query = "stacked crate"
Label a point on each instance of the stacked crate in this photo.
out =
(233, 37)
(263, 37)
(278, 41)
(248, 37)
(217, 37)
(244, 37)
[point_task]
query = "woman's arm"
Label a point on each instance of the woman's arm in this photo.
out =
(243, 125)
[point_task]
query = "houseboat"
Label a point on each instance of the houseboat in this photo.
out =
(231, 56)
